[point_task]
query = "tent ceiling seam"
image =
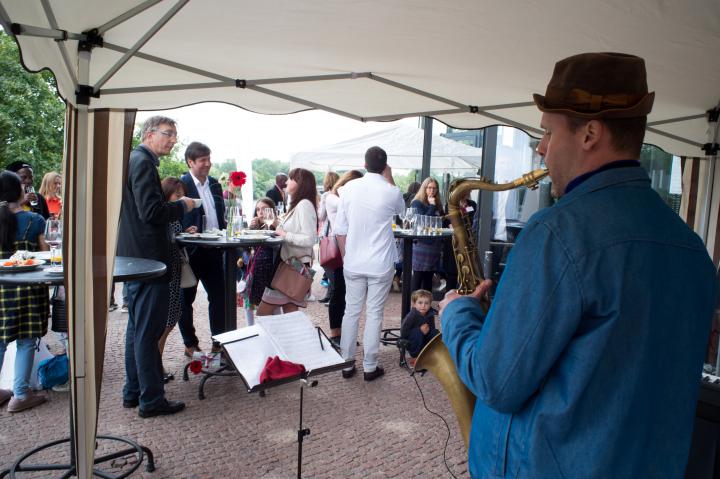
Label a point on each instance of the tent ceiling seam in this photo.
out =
(62, 47)
(140, 43)
(127, 15)
(417, 91)
(673, 137)
(304, 102)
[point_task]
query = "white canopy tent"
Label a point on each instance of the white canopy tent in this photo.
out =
(467, 63)
(404, 146)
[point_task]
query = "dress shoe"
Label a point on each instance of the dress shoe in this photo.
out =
(350, 373)
(130, 403)
(335, 341)
(5, 395)
(326, 299)
(373, 375)
(164, 409)
(189, 350)
(29, 401)
(216, 348)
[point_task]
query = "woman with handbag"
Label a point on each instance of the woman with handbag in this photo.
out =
(260, 268)
(293, 278)
(336, 303)
(24, 309)
(173, 189)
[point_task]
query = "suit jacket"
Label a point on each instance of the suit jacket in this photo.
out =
(275, 195)
(194, 218)
(145, 216)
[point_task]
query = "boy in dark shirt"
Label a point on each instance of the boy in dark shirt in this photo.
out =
(418, 327)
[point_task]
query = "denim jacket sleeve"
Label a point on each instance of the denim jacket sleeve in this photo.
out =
(503, 358)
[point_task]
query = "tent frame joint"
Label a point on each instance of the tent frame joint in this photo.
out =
(91, 39)
(240, 83)
(473, 109)
(83, 94)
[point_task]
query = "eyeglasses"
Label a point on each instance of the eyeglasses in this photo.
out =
(168, 133)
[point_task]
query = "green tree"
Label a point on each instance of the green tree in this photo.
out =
(227, 166)
(32, 115)
(264, 172)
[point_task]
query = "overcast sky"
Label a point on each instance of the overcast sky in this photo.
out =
(231, 132)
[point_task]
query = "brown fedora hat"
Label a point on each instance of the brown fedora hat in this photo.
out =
(598, 85)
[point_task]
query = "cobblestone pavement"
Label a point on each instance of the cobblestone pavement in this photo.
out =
(358, 429)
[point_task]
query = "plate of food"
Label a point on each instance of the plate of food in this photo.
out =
(208, 236)
(18, 265)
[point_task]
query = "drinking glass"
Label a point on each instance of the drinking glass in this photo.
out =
(28, 190)
(53, 237)
(268, 217)
(410, 216)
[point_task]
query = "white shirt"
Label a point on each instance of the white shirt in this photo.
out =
(208, 203)
(364, 214)
(332, 201)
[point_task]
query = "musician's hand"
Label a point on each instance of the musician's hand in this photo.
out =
(452, 295)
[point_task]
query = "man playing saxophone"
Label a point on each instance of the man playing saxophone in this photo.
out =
(587, 363)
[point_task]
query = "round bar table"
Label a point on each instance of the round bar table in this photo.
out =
(230, 247)
(126, 269)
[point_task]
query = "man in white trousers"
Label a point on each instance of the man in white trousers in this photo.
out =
(364, 217)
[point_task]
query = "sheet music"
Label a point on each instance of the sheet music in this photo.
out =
(290, 336)
(298, 339)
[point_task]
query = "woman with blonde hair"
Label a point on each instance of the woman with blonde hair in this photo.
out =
(426, 253)
(50, 188)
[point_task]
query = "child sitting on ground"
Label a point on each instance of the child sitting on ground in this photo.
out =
(418, 327)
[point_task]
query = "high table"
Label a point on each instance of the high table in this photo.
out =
(126, 269)
(409, 237)
(230, 246)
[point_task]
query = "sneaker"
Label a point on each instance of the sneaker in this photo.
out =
(326, 299)
(112, 307)
(30, 401)
(5, 395)
(310, 297)
(124, 308)
(396, 285)
(62, 388)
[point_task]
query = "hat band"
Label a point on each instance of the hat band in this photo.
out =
(584, 100)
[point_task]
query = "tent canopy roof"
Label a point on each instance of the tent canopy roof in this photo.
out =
(466, 63)
(404, 146)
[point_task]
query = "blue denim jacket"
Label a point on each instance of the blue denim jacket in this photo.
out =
(588, 362)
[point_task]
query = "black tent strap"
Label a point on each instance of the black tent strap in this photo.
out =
(83, 94)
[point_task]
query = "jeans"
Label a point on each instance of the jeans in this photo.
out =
(148, 308)
(24, 358)
(373, 291)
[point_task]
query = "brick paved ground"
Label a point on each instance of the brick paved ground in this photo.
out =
(358, 430)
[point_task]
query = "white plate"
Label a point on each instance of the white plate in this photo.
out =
(251, 237)
(207, 236)
(18, 269)
(54, 270)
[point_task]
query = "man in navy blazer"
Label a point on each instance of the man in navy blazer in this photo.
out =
(145, 217)
(207, 263)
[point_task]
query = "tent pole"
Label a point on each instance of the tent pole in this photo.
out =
(485, 200)
(427, 124)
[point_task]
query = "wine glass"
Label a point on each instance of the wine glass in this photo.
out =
(268, 217)
(411, 217)
(53, 237)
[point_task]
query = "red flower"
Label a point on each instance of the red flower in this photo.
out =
(237, 178)
(195, 367)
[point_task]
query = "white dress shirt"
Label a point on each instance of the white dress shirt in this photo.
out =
(211, 222)
(364, 214)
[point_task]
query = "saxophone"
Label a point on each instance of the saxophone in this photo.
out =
(435, 357)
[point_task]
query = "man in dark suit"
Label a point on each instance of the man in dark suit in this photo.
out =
(277, 192)
(144, 220)
(207, 263)
(25, 171)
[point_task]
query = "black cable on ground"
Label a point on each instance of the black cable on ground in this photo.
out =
(447, 439)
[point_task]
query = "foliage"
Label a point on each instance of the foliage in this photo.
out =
(404, 181)
(264, 172)
(227, 166)
(32, 115)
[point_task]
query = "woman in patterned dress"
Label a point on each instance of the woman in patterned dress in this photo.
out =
(24, 309)
(173, 190)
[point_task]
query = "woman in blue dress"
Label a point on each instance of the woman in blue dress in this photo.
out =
(426, 252)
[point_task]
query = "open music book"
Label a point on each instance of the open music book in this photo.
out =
(290, 336)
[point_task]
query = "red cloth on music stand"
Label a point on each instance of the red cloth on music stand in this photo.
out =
(276, 368)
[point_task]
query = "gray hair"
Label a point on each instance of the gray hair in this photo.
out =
(152, 124)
